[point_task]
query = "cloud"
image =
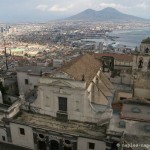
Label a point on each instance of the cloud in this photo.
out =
(142, 5)
(114, 5)
(57, 8)
(42, 7)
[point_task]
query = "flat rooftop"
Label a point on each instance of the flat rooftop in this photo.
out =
(134, 128)
(68, 127)
(143, 115)
(35, 69)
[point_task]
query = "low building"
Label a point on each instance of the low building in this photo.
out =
(7, 111)
(69, 110)
(115, 61)
(17, 51)
(130, 125)
(118, 67)
(57, 63)
(28, 76)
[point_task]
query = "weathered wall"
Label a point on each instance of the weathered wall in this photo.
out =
(3, 133)
(22, 140)
(143, 93)
(24, 88)
(83, 144)
(123, 94)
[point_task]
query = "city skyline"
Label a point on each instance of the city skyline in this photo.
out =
(35, 10)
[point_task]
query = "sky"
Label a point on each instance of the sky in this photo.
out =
(46, 10)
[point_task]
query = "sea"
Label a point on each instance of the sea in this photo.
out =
(131, 38)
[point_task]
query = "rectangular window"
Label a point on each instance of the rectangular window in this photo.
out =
(22, 131)
(3, 137)
(62, 103)
(35, 86)
(91, 146)
(122, 98)
(26, 81)
(77, 105)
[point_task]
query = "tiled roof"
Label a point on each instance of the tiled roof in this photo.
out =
(124, 57)
(85, 65)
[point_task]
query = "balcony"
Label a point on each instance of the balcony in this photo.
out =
(62, 115)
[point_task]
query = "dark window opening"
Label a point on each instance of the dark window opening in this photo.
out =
(35, 87)
(54, 145)
(149, 64)
(91, 146)
(147, 50)
(62, 104)
(110, 64)
(122, 98)
(114, 146)
(41, 136)
(26, 81)
(41, 145)
(67, 142)
(68, 145)
(22, 131)
(3, 137)
(140, 64)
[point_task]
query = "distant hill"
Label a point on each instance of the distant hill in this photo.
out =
(107, 14)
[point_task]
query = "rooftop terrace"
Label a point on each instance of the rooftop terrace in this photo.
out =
(51, 124)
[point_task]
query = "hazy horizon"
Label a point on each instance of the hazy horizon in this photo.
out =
(15, 11)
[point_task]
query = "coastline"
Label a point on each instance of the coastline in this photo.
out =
(131, 37)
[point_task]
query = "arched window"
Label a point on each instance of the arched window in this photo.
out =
(147, 50)
(67, 145)
(140, 63)
(54, 145)
(41, 136)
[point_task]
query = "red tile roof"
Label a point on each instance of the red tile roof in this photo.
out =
(85, 65)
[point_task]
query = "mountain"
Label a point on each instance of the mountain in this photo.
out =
(107, 14)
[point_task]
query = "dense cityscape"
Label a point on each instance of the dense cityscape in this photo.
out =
(70, 84)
